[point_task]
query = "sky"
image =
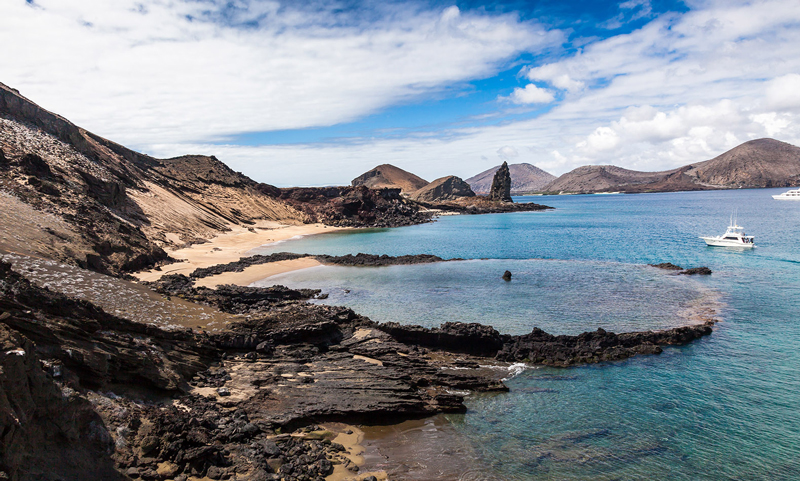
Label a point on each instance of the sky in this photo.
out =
(318, 92)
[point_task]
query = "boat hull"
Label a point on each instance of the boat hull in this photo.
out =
(715, 242)
(784, 197)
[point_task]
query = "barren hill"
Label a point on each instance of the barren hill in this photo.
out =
(754, 164)
(389, 176)
(597, 178)
(524, 178)
(757, 163)
(73, 196)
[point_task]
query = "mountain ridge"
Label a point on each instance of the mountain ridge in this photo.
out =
(756, 163)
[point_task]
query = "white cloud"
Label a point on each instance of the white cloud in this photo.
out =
(783, 93)
(507, 152)
(531, 94)
(147, 71)
(556, 76)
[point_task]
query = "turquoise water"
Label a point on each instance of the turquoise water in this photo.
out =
(725, 407)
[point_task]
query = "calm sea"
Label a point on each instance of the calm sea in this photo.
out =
(724, 407)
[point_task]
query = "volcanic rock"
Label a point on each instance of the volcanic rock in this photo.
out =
(444, 188)
(703, 271)
(501, 185)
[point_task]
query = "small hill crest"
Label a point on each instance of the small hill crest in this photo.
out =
(389, 176)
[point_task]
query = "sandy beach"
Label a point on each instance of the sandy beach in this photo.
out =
(232, 246)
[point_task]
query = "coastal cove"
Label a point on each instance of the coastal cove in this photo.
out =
(721, 407)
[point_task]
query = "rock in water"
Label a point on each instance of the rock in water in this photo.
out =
(501, 184)
(507, 276)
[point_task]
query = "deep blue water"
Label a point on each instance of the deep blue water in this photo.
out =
(724, 407)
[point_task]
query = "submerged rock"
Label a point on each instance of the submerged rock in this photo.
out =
(703, 271)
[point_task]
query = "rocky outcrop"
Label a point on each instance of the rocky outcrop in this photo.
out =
(667, 266)
(689, 272)
(243, 263)
(540, 347)
(372, 260)
(230, 298)
(483, 205)
(525, 178)
(444, 188)
(501, 185)
(46, 432)
(360, 259)
(388, 176)
(355, 206)
(472, 338)
(703, 271)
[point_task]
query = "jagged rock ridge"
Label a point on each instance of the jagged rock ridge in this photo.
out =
(525, 178)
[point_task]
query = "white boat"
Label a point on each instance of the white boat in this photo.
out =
(733, 237)
(790, 195)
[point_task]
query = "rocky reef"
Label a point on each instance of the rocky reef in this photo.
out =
(539, 347)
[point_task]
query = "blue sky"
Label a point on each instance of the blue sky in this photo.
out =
(315, 93)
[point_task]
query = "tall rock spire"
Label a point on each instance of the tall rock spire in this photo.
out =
(501, 184)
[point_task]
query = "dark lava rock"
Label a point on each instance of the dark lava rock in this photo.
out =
(355, 206)
(32, 164)
(445, 188)
(540, 347)
(667, 266)
(359, 259)
(501, 184)
(243, 263)
(472, 338)
(372, 260)
(32, 405)
(507, 275)
(703, 271)
(230, 298)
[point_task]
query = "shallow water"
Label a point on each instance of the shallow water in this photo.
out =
(724, 407)
(561, 297)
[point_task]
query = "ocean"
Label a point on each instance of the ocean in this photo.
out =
(724, 407)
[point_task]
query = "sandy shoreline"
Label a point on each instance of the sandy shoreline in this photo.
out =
(232, 246)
